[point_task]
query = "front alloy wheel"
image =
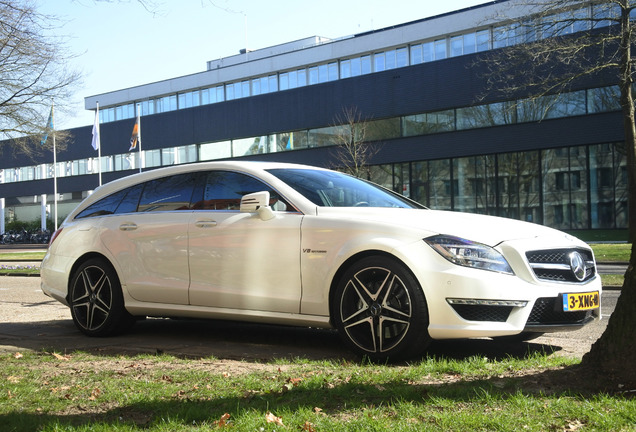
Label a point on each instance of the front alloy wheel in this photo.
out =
(96, 300)
(381, 311)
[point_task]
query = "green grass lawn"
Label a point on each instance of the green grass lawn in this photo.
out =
(611, 252)
(83, 392)
(22, 256)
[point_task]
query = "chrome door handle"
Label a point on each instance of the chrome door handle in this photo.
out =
(205, 224)
(128, 227)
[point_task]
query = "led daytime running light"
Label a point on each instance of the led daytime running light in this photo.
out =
(469, 254)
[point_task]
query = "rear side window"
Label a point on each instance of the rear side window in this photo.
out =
(130, 201)
(104, 206)
(168, 193)
(165, 194)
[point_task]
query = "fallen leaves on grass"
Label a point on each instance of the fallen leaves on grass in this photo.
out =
(61, 357)
(223, 421)
(95, 394)
(308, 427)
(271, 418)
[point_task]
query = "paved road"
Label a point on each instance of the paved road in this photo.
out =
(612, 268)
(29, 320)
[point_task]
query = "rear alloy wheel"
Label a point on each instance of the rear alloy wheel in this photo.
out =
(380, 310)
(96, 300)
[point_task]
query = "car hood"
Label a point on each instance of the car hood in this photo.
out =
(489, 230)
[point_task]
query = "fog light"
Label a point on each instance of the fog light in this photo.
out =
(480, 302)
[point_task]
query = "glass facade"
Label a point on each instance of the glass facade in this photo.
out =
(550, 187)
(567, 188)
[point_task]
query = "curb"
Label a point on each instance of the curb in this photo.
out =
(19, 260)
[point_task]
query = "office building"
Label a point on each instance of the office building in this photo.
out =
(418, 89)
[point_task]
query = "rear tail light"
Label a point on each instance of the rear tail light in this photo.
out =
(54, 236)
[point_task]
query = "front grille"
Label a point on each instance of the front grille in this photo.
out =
(549, 310)
(554, 265)
(483, 312)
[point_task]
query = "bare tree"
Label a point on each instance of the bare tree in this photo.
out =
(551, 49)
(353, 153)
(151, 6)
(33, 73)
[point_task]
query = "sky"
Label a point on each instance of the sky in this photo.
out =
(120, 44)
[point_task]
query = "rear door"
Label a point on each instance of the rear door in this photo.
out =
(149, 239)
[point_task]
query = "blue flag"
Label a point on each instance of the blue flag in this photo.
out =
(49, 127)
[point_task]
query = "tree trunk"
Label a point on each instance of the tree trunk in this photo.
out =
(615, 350)
(614, 353)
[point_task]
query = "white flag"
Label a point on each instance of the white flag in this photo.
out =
(95, 143)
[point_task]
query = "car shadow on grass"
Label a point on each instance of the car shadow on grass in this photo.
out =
(231, 340)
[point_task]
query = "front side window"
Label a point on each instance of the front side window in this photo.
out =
(223, 190)
(168, 193)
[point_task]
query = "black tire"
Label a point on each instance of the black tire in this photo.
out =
(380, 310)
(96, 300)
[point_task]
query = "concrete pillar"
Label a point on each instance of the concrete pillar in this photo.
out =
(43, 212)
(1, 215)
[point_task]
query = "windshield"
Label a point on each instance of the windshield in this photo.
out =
(334, 189)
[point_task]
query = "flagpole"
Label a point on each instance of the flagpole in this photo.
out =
(139, 133)
(54, 167)
(99, 145)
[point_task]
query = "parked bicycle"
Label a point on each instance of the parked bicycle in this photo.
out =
(25, 237)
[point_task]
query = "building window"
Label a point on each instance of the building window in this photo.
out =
(152, 158)
(147, 107)
(215, 150)
(428, 123)
(365, 65)
(457, 46)
(401, 57)
(379, 62)
(313, 75)
(189, 99)
(482, 40)
(166, 103)
(332, 71)
(323, 74)
(440, 49)
(603, 99)
(469, 43)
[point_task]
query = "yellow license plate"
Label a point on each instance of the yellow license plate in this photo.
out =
(581, 301)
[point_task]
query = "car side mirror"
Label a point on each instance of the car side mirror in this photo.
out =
(257, 202)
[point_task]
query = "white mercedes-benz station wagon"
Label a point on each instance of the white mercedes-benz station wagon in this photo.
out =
(299, 245)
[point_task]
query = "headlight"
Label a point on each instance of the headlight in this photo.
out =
(469, 254)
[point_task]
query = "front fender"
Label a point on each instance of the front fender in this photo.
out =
(327, 246)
